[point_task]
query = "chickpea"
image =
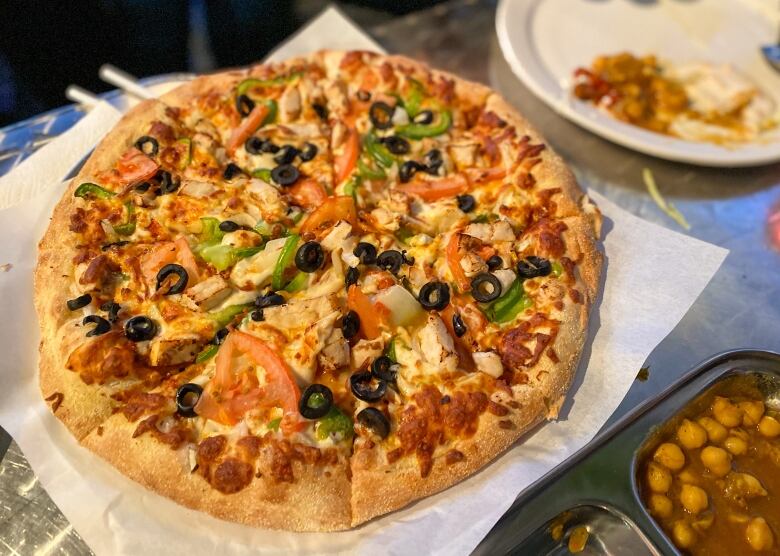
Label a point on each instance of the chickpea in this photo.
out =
(693, 499)
(759, 535)
(691, 435)
(769, 426)
(704, 522)
(684, 536)
(751, 412)
(717, 460)
(660, 505)
(688, 477)
(715, 431)
(725, 412)
(736, 445)
(658, 478)
(670, 456)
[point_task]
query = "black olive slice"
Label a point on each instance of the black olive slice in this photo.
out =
(434, 296)
(168, 270)
(231, 171)
(309, 257)
(228, 226)
(79, 302)
(320, 110)
(140, 329)
(384, 368)
(351, 276)
(485, 287)
(360, 383)
(381, 115)
(350, 325)
(268, 146)
(254, 145)
(257, 316)
(285, 174)
(220, 336)
(433, 161)
(117, 244)
(365, 252)
(101, 325)
(147, 145)
(533, 267)
(112, 309)
(408, 170)
(363, 95)
(187, 397)
(308, 152)
(424, 117)
(390, 260)
(407, 259)
(466, 202)
(316, 401)
(167, 183)
(396, 144)
(269, 300)
(286, 155)
(494, 262)
(458, 326)
(372, 418)
(244, 105)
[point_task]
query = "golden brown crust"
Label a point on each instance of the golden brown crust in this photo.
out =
(321, 499)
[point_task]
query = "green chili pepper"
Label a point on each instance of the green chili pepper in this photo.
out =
(285, 258)
(298, 283)
(368, 173)
(250, 83)
(87, 190)
(225, 316)
(185, 161)
(208, 352)
(378, 151)
(335, 423)
(413, 101)
(263, 174)
(557, 269)
(419, 131)
(128, 227)
(509, 305)
(273, 424)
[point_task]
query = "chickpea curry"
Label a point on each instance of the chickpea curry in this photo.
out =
(711, 478)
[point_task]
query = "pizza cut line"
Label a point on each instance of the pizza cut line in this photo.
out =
(308, 293)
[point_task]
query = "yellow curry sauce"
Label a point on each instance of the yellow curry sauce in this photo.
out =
(712, 479)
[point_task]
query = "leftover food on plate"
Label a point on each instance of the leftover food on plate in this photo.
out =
(308, 293)
(711, 477)
(696, 102)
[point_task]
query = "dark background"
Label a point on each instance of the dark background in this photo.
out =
(45, 45)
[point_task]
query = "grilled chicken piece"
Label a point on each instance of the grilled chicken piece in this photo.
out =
(209, 293)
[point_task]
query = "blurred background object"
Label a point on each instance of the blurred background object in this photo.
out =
(46, 45)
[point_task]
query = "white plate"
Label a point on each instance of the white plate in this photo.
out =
(545, 40)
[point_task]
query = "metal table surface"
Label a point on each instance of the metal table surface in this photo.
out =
(739, 308)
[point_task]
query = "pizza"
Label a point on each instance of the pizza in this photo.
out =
(305, 294)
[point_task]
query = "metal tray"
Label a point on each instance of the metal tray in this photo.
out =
(597, 487)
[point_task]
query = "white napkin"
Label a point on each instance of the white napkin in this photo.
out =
(649, 285)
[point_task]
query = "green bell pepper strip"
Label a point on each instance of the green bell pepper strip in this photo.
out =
(273, 424)
(207, 353)
(87, 190)
(210, 232)
(273, 110)
(413, 101)
(245, 252)
(404, 234)
(298, 283)
(368, 173)
(557, 269)
(223, 257)
(185, 161)
(390, 351)
(225, 316)
(420, 131)
(285, 258)
(509, 305)
(351, 187)
(378, 151)
(247, 84)
(127, 228)
(335, 423)
(263, 174)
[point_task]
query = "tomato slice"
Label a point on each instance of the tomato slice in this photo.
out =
(228, 396)
(331, 211)
(168, 252)
(370, 317)
(134, 167)
(247, 127)
(347, 160)
(453, 261)
(308, 193)
(433, 190)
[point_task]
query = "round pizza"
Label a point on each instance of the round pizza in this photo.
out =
(305, 294)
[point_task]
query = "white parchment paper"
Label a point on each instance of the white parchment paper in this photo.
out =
(652, 276)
